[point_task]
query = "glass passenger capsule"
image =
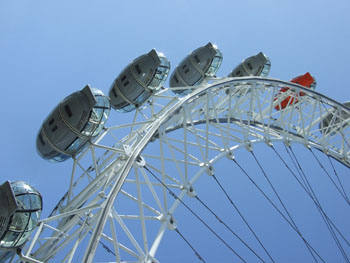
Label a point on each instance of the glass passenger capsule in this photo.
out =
(7, 255)
(138, 81)
(201, 63)
(335, 121)
(23, 216)
(72, 124)
(258, 65)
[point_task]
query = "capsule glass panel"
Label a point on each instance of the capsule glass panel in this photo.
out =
(6, 255)
(72, 124)
(26, 217)
(138, 81)
(76, 145)
(258, 65)
(128, 108)
(266, 68)
(215, 63)
(203, 62)
(59, 157)
(161, 73)
(98, 115)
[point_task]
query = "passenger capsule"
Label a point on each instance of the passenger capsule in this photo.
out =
(75, 121)
(305, 80)
(6, 255)
(332, 122)
(201, 63)
(258, 65)
(20, 209)
(138, 81)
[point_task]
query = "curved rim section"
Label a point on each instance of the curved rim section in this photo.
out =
(166, 117)
(248, 102)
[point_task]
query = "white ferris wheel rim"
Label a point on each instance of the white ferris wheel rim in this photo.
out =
(155, 126)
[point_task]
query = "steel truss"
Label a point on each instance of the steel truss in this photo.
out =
(180, 140)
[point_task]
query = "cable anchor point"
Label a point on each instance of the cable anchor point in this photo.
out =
(230, 155)
(140, 161)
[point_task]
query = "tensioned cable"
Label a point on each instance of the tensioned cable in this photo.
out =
(313, 196)
(333, 122)
(311, 193)
(303, 184)
(107, 248)
(276, 208)
(195, 214)
(241, 215)
(325, 217)
(230, 229)
(338, 178)
(227, 227)
(189, 244)
(281, 202)
(101, 242)
(330, 178)
(294, 175)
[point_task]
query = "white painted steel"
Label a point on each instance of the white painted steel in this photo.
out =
(221, 116)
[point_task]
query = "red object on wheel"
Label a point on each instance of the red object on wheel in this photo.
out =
(305, 80)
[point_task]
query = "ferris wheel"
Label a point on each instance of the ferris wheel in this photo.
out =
(132, 183)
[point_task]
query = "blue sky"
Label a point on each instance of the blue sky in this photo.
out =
(49, 49)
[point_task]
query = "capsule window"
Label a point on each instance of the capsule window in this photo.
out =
(126, 83)
(138, 70)
(54, 128)
(123, 78)
(41, 139)
(238, 73)
(121, 105)
(185, 68)
(51, 121)
(71, 144)
(68, 111)
(250, 66)
(114, 93)
(196, 58)
(176, 79)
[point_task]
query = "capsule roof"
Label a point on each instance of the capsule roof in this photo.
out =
(74, 121)
(258, 65)
(139, 80)
(203, 62)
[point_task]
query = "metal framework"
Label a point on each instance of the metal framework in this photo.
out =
(114, 204)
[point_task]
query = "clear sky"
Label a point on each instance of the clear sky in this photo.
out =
(49, 49)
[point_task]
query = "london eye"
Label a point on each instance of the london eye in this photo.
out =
(134, 184)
